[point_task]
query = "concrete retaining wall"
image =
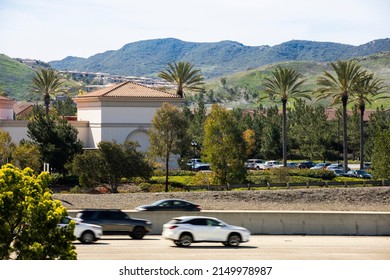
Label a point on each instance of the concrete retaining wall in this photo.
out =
(289, 223)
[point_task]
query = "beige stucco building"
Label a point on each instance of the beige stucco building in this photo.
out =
(120, 112)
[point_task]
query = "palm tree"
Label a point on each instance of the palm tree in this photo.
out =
(366, 90)
(285, 83)
(47, 82)
(340, 87)
(183, 76)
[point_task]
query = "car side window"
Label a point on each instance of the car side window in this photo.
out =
(212, 223)
(111, 215)
(198, 222)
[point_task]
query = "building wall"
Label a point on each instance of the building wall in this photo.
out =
(6, 113)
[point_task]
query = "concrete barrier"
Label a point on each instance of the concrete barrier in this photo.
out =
(284, 222)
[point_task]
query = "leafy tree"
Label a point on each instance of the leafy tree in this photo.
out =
(26, 154)
(109, 164)
(167, 135)
(381, 155)
(183, 76)
(284, 83)
(56, 139)
(29, 218)
(249, 138)
(366, 90)
(310, 131)
(271, 134)
(65, 107)
(379, 121)
(6, 147)
(48, 83)
(340, 87)
(223, 146)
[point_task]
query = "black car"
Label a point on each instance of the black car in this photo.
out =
(306, 164)
(114, 221)
(170, 205)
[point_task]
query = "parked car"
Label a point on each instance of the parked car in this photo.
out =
(367, 165)
(185, 230)
(338, 172)
(85, 233)
(257, 164)
(114, 221)
(334, 166)
(321, 165)
(292, 165)
(306, 164)
(359, 174)
(272, 164)
(201, 166)
(169, 205)
(191, 163)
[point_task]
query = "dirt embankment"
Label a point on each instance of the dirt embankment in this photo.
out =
(324, 199)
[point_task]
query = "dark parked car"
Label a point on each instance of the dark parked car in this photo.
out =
(306, 164)
(170, 205)
(359, 174)
(116, 222)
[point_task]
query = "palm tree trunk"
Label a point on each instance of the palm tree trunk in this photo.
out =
(284, 133)
(345, 138)
(361, 137)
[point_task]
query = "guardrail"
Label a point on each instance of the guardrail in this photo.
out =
(289, 185)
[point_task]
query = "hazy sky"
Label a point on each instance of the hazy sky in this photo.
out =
(53, 29)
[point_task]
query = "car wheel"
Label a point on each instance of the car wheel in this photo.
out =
(185, 240)
(87, 237)
(138, 233)
(225, 243)
(177, 243)
(234, 240)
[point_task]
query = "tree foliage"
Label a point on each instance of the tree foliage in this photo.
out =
(167, 135)
(48, 83)
(29, 218)
(56, 139)
(223, 146)
(183, 76)
(26, 154)
(381, 155)
(109, 164)
(6, 147)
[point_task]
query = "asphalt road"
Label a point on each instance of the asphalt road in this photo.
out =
(261, 247)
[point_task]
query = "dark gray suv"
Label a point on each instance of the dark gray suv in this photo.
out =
(116, 222)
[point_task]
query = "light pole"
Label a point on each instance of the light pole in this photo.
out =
(194, 144)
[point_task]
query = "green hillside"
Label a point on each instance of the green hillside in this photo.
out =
(15, 77)
(148, 57)
(244, 89)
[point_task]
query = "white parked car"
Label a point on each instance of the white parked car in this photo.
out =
(189, 229)
(272, 164)
(85, 233)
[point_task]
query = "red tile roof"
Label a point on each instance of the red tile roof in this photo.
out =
(129, 89)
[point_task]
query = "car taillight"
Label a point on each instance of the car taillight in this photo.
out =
(172, 227)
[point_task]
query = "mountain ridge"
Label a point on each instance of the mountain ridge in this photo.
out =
(148, 57)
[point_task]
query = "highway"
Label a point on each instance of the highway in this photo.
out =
(261, 247)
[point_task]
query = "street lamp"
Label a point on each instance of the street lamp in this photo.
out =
(194, 144)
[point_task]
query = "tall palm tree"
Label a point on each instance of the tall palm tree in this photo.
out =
(341, 86)
(183, 76)
(366, 91)
(285, 83)
(47, 82)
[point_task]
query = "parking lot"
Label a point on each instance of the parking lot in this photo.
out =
(261, 247)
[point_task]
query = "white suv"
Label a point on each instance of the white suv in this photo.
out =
(85, 233)
(188, 229)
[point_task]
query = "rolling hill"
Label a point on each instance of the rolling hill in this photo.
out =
(147, 58)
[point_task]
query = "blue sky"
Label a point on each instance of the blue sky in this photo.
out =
(53, 29)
